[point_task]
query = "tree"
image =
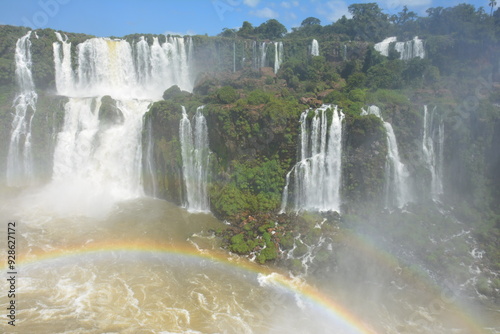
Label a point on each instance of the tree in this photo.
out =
(271, 29)
(246, 30)
(310, 21)
(226, 32)
(368, 22)
(492, 4)
(403, 16)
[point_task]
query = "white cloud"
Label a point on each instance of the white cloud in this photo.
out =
(289, 4)
(399, 4)
(251, 3)
(265, 13)
(333, 10)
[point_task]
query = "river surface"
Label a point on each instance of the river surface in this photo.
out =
(148, 266)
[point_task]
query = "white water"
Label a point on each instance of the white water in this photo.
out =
(123, 70)
(397, 189)
(263, 54)
(62, 60)
(195, 160)
(432, 148)
(317, 176)
(20, 159)
(98, 163)
(411, 49)
(408, 50)
(278, 56)
(383, 47)
(315, 48)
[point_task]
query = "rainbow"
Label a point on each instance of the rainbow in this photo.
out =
(305, 291)
(339, 314)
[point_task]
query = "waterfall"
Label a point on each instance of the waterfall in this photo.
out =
(278, 55)
(263, 54)
(397, 191)
(410, 49)
(195, 160)
(234, 57)
(255, 59)
(98, 155)
(383, 47)
(407, 50)
(317, 176)
(121, 69)
(315, 48)
(432, 148)
(62, 60)
(20, 159)
(107, 157)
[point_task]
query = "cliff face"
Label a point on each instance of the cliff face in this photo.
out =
(253, 112)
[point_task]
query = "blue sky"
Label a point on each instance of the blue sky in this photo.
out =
(121, 17)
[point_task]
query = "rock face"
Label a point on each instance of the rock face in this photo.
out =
(162, 173)
(364, 166)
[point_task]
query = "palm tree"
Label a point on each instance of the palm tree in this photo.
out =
(492, 4)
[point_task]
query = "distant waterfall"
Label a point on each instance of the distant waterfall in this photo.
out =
(255, 58)
(411, 49)
(278, 55)
(383, 47)
(432, 148)
(407, 50)
(195, 160)
(315, 48)
(316, 178)
(397, 191)
(263, 54)
(20, 159)
(234, 57)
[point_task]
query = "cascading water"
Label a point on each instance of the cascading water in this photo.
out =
(95, 163)
(20, 159)
(411, 49)
(263, 54)
(121, 69)
(383, 47)
(315, 48)
(62, 60)
(97, 159)
(255, 59)
(397, 191)
(278, 56)
(195, 160)
(408, 50)
(317, 176)
(432, 148)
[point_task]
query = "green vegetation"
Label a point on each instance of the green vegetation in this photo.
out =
(253, 115)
